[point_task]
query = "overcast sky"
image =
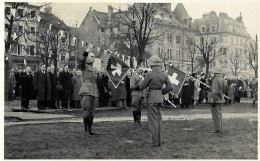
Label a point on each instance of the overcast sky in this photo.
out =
(76, 11)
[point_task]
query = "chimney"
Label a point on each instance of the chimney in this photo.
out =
(48, 9)
(240, 18)
(110, 12)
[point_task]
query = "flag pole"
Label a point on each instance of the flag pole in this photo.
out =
(205, 84)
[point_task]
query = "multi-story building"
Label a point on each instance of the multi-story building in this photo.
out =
(101, 29)
(28, 22)
(22, 49)
(232, 38)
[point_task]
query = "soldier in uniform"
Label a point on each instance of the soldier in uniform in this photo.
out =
(155, 81)
(88, 91)
(137, 96)
(216, 98)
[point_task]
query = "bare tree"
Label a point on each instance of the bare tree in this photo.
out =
(192, 49)
(51, 42)
(139, 18)
(207, 48)
(235, 62)
(252, 56)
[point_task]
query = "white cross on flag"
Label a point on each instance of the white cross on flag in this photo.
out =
(115, 68)
(177, 78)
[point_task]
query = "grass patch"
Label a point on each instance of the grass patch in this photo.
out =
(124, 140)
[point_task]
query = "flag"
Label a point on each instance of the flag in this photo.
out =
(177, 78)
(116, 69)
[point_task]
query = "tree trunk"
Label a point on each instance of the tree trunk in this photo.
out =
(256, 73)
(207, 68)
(140, 56)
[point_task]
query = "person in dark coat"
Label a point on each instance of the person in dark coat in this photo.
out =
(59, 89)
(128, 90)
(118, 94)
(26, 88)
(54, 94)
(76, 84)
(18, 77)
(187, 92)
(11, 95)
(65, 80)
(42, 84)
(203, 91)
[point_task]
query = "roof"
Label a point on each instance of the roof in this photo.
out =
(180, 12)
(222, 21)
(50, 18)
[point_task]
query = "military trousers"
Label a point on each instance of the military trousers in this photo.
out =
(137, 102)
(217, 117)
(155, 122)
(88, 103)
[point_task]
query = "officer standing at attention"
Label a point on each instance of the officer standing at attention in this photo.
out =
(216, 98)
(137, 96)
(88, 91)
(155, 81)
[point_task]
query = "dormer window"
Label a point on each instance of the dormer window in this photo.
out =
(213, 28)
(203, 29)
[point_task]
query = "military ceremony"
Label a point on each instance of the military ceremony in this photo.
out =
(97, 80)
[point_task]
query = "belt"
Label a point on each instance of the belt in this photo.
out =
(91, 81)
(155, 89)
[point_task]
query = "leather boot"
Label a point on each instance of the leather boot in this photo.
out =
(135, 116)
(139, 117)
(90, 122)
(85, 125)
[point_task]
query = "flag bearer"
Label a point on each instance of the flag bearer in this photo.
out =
(155, 81)
(137, 96)
(216, 98)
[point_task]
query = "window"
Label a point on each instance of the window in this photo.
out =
(102, 29)
(213, 29)
(203, 29)
(20, 12)
(178, 39)
(19, 49)
(169, 38)
(20, 29)
(224, 51)
(32, 50)
(32, 30)
(32, 14)
(214, 64)
(179, 54)
(159, 52)
(169, 51)
(7, 11)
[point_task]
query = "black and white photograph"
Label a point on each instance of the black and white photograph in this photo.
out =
(130, 80)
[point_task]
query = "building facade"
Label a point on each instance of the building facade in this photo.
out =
(28, 24)
(233, 40)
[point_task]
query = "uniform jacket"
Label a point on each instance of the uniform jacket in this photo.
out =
(134, 81)
(217, 90)
(39, 83)
(76, 84)
(89, 78)
(155, 81)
